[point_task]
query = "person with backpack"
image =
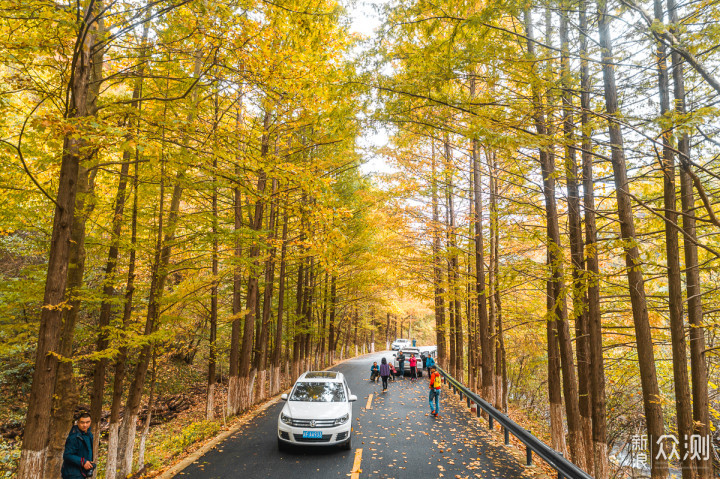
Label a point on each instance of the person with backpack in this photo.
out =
(401, 363)
(374, 372)
(413, 368)
(435, 386)
(384, 373)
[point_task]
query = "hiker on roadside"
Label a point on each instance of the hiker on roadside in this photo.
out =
(429, 362)
(413, 367)
(393, 372)
(435, 385)
(374, 372)
(401, 363)
(384, 373)
(78, 455)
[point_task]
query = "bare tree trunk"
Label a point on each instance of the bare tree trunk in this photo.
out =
(498, 339)
(37, 433)
(246, 375)
(576, 247)
(148, 418)
(594, 323)
(698, 363)
(121, 361)
(99, 367)
(440, 326)
(212, 359)
(652, 399)
(672, 248)
(275, 382)
(66, 393)
(557, 429)
(262, 347)
(333, 308)
(233, 399)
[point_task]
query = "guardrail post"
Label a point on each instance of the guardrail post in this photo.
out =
(492, 421)
(477, 409)
(468, 401)
(507, 436)
(528, 454)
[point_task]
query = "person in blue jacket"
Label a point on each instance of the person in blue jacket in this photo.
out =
(429, 362)
(78, 455)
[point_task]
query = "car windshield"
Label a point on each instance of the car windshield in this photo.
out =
(318, 392)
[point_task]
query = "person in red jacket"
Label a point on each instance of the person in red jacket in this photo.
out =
(413, 368)
(435, 385)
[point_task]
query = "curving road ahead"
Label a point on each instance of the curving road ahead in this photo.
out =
(394, 437)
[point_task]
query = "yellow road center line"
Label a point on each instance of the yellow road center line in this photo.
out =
(369, 403)
(355, 473)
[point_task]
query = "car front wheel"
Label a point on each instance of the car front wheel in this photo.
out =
(282, 445)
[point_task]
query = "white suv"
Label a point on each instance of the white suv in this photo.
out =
(318, 411)
(398, 344)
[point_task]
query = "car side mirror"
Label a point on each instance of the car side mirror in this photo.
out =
(353, 398)
(283, 397)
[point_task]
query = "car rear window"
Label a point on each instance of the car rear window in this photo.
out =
(318, 392)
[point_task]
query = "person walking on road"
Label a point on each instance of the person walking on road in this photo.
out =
(429, 362)
(384, 373)
(78, 454)
(413, 367)
(401, 364)
(435, 385)
(374, 372)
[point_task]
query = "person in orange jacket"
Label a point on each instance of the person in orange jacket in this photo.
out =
(435, 386)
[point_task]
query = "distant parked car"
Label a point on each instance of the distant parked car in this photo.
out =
(409, 351)
(318, 412)
(398, 344)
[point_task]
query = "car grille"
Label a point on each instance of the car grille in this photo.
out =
(313, 423)
(300, 438)
(341, 436)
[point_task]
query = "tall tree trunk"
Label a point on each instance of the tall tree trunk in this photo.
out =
(323, 344)
(698, 363)
(275, 383)
(440, 326)
(333, 308)
(576, 246)
(557, 429)
(158, 276)
(100, 366)
(233, 398)
(652, 399)
(261, 364)
(683, 407)
(121, 361)
(498, 339)
(212, 357)
(66, 393)
(148, 418)
(594, 322)
(82, 95)
(246, 376)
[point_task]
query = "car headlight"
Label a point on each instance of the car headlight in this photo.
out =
(286, 419)
(342, 420)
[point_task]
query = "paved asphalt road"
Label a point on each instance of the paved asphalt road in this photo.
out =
(395, 438)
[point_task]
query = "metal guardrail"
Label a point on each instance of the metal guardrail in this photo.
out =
(556, 460)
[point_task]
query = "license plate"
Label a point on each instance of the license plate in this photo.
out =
(312, 435)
